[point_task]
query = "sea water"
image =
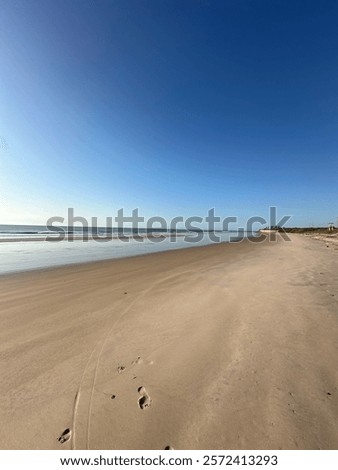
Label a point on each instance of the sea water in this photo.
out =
(23, 247)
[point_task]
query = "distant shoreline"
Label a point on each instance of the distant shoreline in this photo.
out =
(55, 238)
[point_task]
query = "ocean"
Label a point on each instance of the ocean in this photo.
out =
(24, 247)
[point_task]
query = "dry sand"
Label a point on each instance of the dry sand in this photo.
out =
(328, 239)
(234, 346)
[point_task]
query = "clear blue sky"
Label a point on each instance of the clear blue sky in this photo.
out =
(170, 106)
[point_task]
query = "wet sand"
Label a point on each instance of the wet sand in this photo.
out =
(231, 346)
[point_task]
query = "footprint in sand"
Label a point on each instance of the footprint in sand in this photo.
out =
(144, 401)
(168, 448)
(120, 369)
(65, 436)
(139, 360)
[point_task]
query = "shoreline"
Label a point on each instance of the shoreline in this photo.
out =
(133, 255)
(56, 239)
(198, 330)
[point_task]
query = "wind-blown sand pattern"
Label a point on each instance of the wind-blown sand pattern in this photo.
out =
(231, 346)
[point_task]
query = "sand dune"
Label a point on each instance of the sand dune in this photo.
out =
(231, 346)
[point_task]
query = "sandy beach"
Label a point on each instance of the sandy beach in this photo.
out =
(231, 346)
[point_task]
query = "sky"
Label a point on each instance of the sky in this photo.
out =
(172, 107)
